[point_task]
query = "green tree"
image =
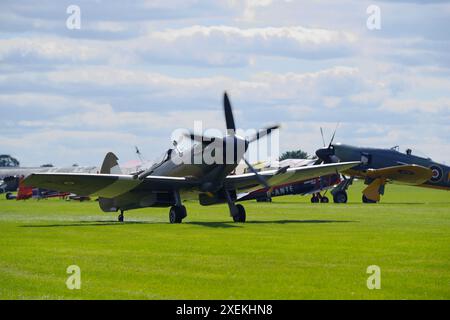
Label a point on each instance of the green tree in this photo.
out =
(8, 161)
(294, 154)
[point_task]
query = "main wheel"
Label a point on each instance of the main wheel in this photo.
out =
(9, 196)
(315, 199)
(340, 197)
(177, 214)
(367, 200)
(240, 216)
(324, 200)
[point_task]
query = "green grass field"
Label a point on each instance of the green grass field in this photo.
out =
(289, 249)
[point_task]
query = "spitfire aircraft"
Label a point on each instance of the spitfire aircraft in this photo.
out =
(380, 166)
(173, 178)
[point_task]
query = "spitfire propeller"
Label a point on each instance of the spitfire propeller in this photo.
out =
(232, 137)
(326, 154)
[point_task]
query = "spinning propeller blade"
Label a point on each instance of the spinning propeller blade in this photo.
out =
(262, 133)
(258, 176)
(334, 134)
(229, 118)
(323, 139)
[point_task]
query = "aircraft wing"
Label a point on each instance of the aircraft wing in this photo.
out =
(249, 182)
(407, 174)
(104, 185)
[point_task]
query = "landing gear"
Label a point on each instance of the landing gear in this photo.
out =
(240, 216)
(340, 197)
(317, 197)
(120, 218)
(374, 190)
(340, 192)
(177, 214)
(367, 200)
(237, 211)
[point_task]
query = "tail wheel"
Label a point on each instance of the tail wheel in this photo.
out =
(340, 197)
(241, 215)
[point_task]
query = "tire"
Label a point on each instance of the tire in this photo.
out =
(324, 200)
(241, 216)
(315, 199)
(340, 197)
(177, 214)
(366, 200)
(9, 196)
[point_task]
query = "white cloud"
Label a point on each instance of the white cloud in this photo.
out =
(202, 45)
(48, 48)
(441, 105)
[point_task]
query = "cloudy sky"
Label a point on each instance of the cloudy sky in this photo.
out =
(136, 71)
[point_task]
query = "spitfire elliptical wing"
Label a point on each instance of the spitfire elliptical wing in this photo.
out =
(104, 185)
(250, 182)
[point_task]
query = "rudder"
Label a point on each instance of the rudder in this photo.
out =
(110, 165)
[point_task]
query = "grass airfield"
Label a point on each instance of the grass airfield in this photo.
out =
(289, 249)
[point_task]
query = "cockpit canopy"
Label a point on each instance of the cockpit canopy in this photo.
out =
(163, 158)
(410, 152)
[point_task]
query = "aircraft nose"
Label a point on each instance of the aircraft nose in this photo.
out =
(324, 153)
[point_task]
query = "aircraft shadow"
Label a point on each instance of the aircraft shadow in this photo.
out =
(229, 224)
(88, 224)
(215, 224)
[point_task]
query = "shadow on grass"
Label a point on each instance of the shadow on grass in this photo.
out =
(215, 224)
(396, 203)
(88, 224)
(229, 224)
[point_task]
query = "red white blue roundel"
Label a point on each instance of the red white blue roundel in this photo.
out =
(437, 173)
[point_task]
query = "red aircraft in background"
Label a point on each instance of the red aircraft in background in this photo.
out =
(25, 193)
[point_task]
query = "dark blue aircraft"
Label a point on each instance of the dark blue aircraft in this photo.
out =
(381, 166)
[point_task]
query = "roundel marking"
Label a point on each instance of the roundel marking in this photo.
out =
(437, 173)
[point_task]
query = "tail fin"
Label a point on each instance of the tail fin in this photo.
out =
(110, 165)
(24, 192)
